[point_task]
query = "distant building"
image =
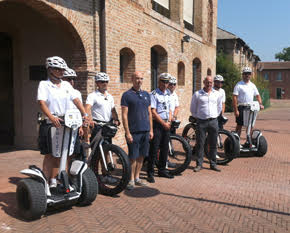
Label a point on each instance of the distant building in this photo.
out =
(236, 49)
(278, 76)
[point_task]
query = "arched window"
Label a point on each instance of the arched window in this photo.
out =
(208, 71)
(196, 75)
(209, 20)
(181, 74)
(158, 64)
(127, 64)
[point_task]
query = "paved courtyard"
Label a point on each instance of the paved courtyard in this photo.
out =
(251, 194)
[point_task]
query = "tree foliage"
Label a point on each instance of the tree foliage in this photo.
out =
(231, 74)
(284, 55)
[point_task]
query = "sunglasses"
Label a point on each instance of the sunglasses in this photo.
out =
(247, 73)
(103, 81)
(172, 84)
(57, 69)
(165, 81)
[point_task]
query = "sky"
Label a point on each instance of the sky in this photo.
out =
(263, 24)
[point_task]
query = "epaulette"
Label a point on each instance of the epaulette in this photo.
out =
(153, 92)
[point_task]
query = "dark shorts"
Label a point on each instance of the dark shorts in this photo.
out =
(44, 140)
(240, 118)
(140, 145)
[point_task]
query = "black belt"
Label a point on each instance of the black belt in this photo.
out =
(208, 119)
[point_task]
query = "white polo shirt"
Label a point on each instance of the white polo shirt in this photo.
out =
(223, 94)
(79, 96)
(57, 98)
(206, 105)
(174, 101)
(245, 92)
(101, 106)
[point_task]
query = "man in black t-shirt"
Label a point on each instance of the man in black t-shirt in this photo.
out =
(137, 121)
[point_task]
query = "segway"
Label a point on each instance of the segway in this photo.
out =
(256, 142)
(80, 186)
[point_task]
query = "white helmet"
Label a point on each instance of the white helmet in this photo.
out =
(164, 76)
(172, 80)
(69, 73)
(55, 62)
(101, 76)
(247, 69)
(218, 77)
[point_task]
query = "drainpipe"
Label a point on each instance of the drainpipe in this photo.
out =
(102, 26)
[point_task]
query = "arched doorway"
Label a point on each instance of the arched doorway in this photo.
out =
(127, 65)
(196, 75)
(159, 62)
(6, 90)
(40, 32)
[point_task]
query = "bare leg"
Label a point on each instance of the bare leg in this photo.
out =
(139, 163)
(239, 129)
(50, 166)
(133, 168)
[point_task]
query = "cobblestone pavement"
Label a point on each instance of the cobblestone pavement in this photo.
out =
(251, 194)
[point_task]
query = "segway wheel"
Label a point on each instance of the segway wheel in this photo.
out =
(31, 199)
(89, 188)
(263, 147)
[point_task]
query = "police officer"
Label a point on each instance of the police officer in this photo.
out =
(101, 108)
(218, 83)
(161, 113)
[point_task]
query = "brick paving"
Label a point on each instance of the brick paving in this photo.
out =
(251, 194)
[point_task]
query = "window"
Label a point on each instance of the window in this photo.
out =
(209, 20)
(158, 64)
(181, 74)
(188, 9)
(266, 76)
(127, 64)
(162, 7)
(37, 73)
(196, 75)
(208, 71)
(279, 76)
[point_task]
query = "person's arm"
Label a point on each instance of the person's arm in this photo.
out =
(258, 97)
(55, 120)
(156, 117)
(193, 106)
(223, 108)
(128, 135)
(115, 117)
(235, 105)
(175, 113)
(151, 123)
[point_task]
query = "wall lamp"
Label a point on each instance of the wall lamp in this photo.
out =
(186, 39)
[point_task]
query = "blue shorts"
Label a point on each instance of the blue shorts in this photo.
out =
(139, 146)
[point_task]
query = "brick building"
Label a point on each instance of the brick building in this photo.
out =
(278, 76)
(118, 37)
(236, 49)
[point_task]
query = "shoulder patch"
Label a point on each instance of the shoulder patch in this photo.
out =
(153, 92)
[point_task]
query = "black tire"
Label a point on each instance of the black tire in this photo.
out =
(228, 147)
(263, 147)
(31, 199)
(189, 134)
(121, 172)
(179, 154)
(89, 188)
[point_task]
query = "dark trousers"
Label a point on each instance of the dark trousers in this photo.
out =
(159, 141)
(209, 129)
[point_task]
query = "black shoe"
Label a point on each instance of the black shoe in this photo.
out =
(197, 168)
(165, 174)
(215, 168)
(150, 178)
(171, 165)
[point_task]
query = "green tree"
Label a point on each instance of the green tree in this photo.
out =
(231, 74)
(284, 55)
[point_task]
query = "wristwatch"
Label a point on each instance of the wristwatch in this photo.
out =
(85, 115)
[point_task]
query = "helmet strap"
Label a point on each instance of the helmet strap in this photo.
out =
(53, 78)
